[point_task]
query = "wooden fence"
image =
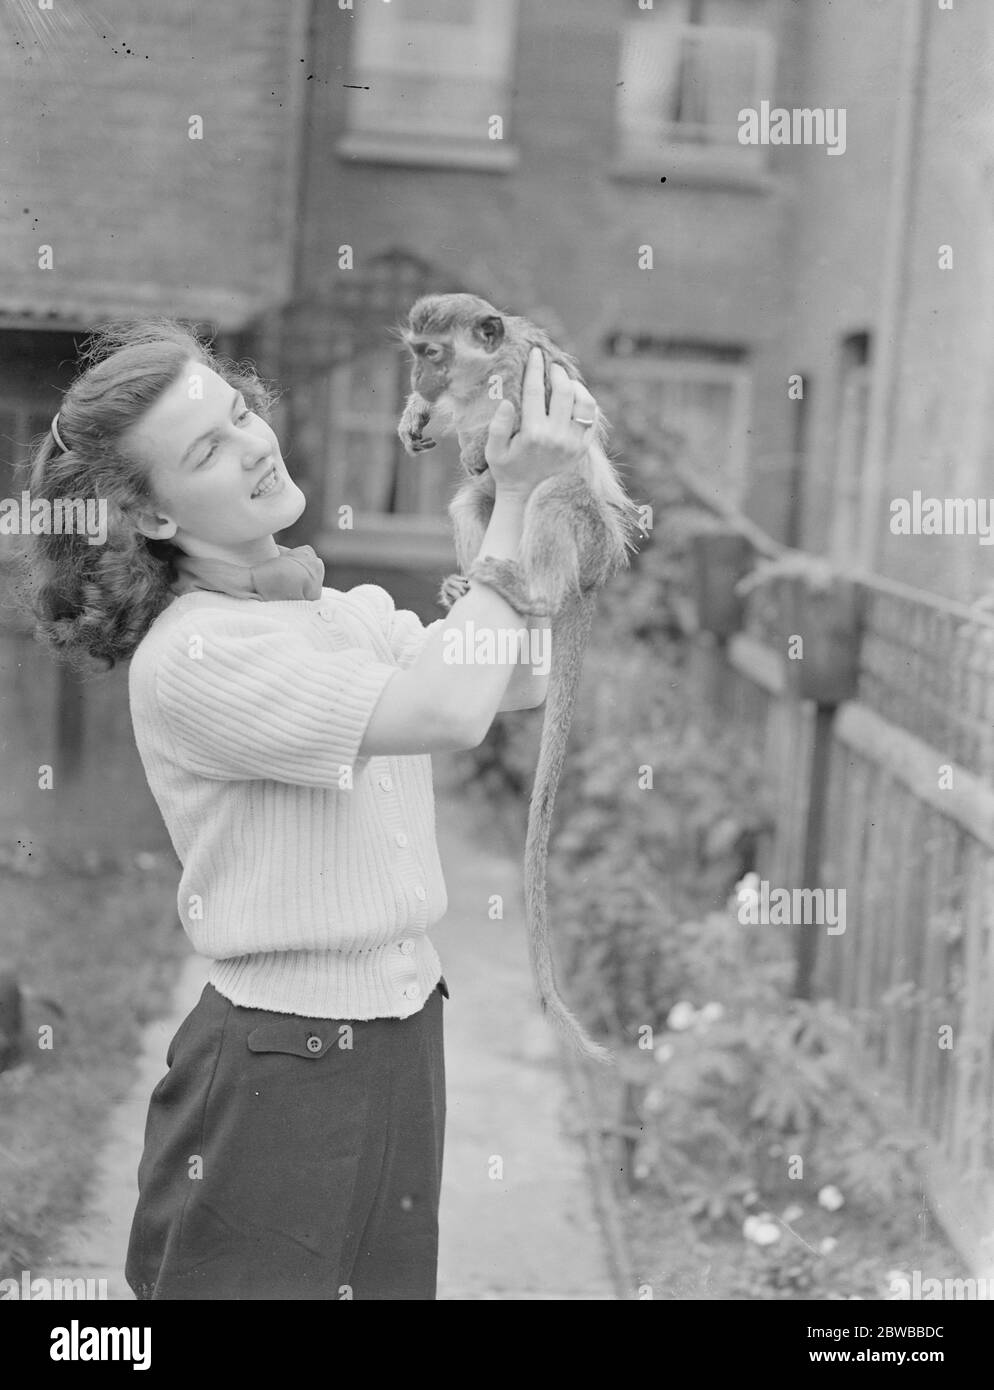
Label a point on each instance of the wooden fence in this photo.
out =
(890, 796)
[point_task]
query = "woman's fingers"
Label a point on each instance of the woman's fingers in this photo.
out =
(533, 391)
(561, 399)
(569, 401)
(499, 435)
(584, 405)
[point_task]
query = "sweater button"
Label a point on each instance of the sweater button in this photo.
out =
(327, 615)
(314, 1043)
(386, 782)
(407, 947)
(401, 838)
(419, 892)
(411, 992)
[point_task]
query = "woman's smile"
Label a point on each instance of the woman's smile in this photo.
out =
(270, 483)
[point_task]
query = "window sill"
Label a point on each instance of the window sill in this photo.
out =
(410, 542)
(711, 167)
(488, 156)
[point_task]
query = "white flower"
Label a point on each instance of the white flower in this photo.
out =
(761, 1230)
(653, 1102)
(711, 1013)
(663, 1053)
(831, 1198)
(749, 884)
(826, 1246)
(793, 1212)
(681, 1016)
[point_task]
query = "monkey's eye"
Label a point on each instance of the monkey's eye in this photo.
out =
(433, 352)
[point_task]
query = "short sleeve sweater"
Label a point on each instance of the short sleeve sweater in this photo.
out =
(310, 875)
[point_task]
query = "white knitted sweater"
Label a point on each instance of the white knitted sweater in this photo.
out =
(310, 875)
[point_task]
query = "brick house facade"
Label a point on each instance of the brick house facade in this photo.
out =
(573, 159)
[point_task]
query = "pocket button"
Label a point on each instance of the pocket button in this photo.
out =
(314, 1043)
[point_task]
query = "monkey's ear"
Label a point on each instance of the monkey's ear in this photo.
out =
(490, 331)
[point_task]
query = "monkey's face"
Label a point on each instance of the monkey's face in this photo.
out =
(452, 339)
(430, 368)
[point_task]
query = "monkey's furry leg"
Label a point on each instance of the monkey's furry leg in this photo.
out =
(469, 512)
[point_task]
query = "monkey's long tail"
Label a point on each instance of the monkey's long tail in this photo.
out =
(571, 633)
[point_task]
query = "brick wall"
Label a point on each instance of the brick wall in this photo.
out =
(96, 161)
(559, 231)
(848, 54)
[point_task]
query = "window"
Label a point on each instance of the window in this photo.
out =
(426, 78)
(370, 469)
(35, 368)
(850, 448)
(693, 399)
(20, 423)
(687, 68)
(398, 502)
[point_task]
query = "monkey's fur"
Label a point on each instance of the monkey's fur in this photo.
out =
(578, 527)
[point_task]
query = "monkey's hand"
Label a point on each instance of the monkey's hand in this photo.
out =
(455, 587)
(506, 577)
(413, 423)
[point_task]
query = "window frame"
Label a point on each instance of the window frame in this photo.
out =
(378, 536)
(724, 163)
(380, 47)
(737, 375)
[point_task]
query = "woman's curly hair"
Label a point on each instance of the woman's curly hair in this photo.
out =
(92, 604)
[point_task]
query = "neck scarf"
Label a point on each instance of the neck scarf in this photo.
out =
(296, 573)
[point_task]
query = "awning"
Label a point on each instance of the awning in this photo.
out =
(227, 311)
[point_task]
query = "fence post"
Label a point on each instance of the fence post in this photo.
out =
(829, 620)
(814, 821)
(719, 560)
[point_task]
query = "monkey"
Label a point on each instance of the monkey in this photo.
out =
(579, 527)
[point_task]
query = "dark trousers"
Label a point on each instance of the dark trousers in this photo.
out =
(292, 1158)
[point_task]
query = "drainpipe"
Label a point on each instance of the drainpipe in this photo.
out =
(889, 328)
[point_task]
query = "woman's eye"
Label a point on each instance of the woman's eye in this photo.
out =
(209, 454)
(244, 415)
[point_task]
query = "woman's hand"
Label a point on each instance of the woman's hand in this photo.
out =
(545, 443)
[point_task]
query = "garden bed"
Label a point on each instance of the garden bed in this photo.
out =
(749, 1152)
(97, 954)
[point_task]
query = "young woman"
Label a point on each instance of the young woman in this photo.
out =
(293, 1150)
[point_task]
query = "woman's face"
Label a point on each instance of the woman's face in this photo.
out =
(216, 470)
